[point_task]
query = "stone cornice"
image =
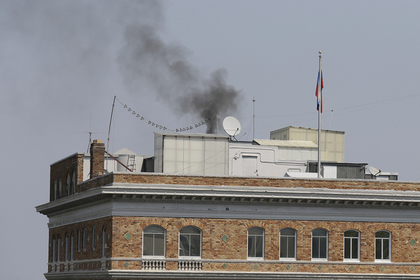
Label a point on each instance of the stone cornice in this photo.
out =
(237, 195)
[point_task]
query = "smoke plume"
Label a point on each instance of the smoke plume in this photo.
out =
(166, 68)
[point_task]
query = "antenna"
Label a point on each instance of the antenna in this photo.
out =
(232, 126)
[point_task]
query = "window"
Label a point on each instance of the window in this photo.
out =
(154, 241)
(93, 238)
(104, 236)
(84, 238)
(382, 246)
(190, 242)
(255, 242)
(58, 248)
(351, 245)
(79, 240)
(71, 246)
(53, 249)
(66, 256)
(59, 188)
(73, 182)
(287, 243)
(320, 244)
(55, 190)
(68, 182)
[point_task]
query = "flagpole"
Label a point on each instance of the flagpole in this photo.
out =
(319, 117)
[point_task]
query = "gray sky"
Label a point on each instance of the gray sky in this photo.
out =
(63, 61)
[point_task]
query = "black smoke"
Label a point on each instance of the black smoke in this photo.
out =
(166, 67)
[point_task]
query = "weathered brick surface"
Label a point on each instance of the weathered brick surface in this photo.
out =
(149, 178)
(60, 170)
(233, 252)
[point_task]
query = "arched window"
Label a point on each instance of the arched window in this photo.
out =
(154, 241)
(190, 242)
(104, 237)
(288, 243)
(320, 244)
(351, 245)
(68, 182)
(382, 246)
(256, 242)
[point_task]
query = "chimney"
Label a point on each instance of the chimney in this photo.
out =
(97, 156)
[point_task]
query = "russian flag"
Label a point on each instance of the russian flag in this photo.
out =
(318, 92)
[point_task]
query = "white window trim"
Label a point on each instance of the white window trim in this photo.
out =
(390, 248)
(288, 259)
(263, 245)
(327, 253)
(164, 244)
(358, 247)
(201, 243)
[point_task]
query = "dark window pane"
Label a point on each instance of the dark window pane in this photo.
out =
(323, 247)
(351, 233)
(251, 246)
(259, 247)
(355, 248)
(378, 249)
(255, 231)
(319, 232)
(315, 247)
(283, 247)
(184, 248)
(190, 230)
(159, 245)
(148, 245)
(386, 249)
(382, 234)
(347, 248)
(287, 231)
(195, 245)
(291, 247)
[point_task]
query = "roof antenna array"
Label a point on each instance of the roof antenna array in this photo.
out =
(232, 126)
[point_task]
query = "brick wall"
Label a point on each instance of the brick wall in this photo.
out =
(59, 172)
(231, 254)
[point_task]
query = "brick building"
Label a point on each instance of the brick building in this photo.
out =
(123, 225)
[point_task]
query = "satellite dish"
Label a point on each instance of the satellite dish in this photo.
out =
(232, 126)
(374, 171)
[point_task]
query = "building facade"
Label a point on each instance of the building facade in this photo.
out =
(126, 225)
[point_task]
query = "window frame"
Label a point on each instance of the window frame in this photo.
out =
(262, 243)
(149, 230)
(352, 239)
(326, 245)
(288, 237)
(190, 234)
(389, 238)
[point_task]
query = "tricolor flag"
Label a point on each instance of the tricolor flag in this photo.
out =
(318, 92)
